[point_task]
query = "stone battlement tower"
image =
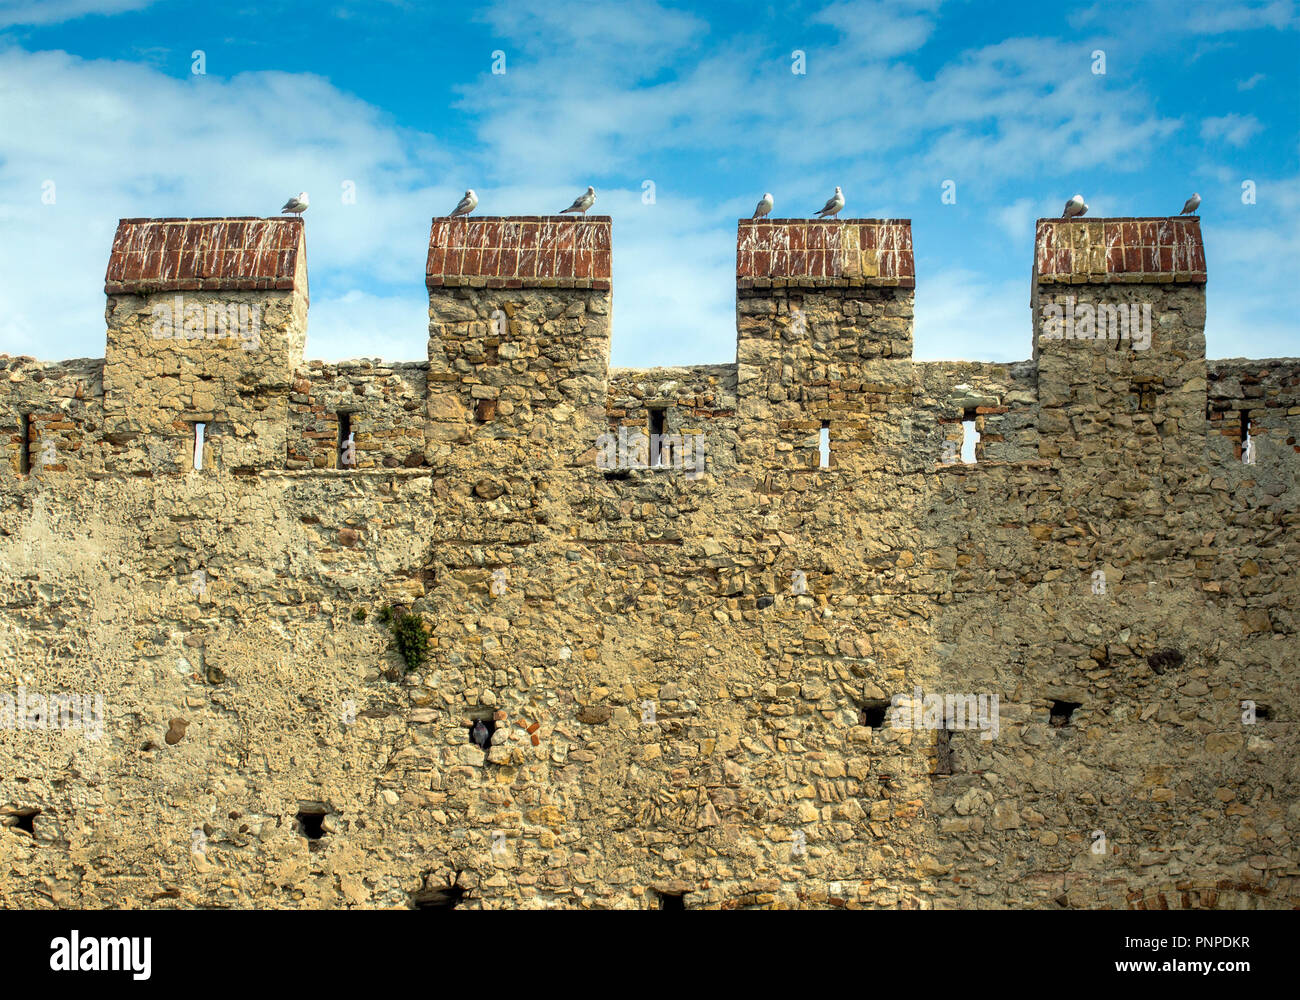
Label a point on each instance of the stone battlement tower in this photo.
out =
(914, 634)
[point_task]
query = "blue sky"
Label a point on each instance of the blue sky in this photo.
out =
(100, 97)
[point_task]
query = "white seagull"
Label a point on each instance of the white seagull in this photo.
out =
(1075, 206)
(296, 205)
(1192, 204)
(467, 204)
(833, 206)
(764, 206)
(582, 202)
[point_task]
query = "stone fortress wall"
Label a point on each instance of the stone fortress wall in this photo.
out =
(686, 674)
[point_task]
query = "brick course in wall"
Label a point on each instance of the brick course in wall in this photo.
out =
(1073, 251)
(531, 251)
(158, 255)
(824, 252)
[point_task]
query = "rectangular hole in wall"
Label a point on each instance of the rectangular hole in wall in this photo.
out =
(943, 752)
(1061, 713)
(969, 438)
(447, 898)
(347, 453)
(24, 819)
(198, 446)
(25, 452)
(311, 821)
(824, 446)
(1246, 448)
(483, 726)
(658, 420)
(1142, 396)
(873, 713)
(671, 900)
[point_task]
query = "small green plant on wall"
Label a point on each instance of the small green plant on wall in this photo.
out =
(409, 636)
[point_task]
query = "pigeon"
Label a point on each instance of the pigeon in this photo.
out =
(1075, 206)
(582, 202)
(480, 735)
(296, 205)
(764, 206)
(467, 204)
(1192, 204)
(833, 206)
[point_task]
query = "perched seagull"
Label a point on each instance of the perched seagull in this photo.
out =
(467, 204)
(833, 206)
(297, 205)
(1192, 204)
(583, 202)
(764, 206)
(1075, 206)
(480, 735)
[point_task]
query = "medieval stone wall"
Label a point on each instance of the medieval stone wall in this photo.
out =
(688, 677)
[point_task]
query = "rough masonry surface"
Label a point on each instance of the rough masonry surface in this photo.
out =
(684, 676)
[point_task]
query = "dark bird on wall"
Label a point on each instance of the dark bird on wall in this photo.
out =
(296, 205)
(1191, 205)
(480, 735)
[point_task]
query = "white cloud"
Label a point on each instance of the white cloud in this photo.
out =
(961, 315)
(1017, 219)
(867, 124)
(360, 325)
(1217, 18)
(1250, 252)
(876, 29)
(120, 140)
(34, 12)
(1174, 18)
(1235, 130)
(629, 37)
(1251, 83)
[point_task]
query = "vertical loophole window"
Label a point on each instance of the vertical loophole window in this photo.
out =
(969, 438)
(824, 446)
(943, 754)
(311, 822)
(198, 446)
(1247, 446)
(25, 448)
(657, 423)
(347, 455)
